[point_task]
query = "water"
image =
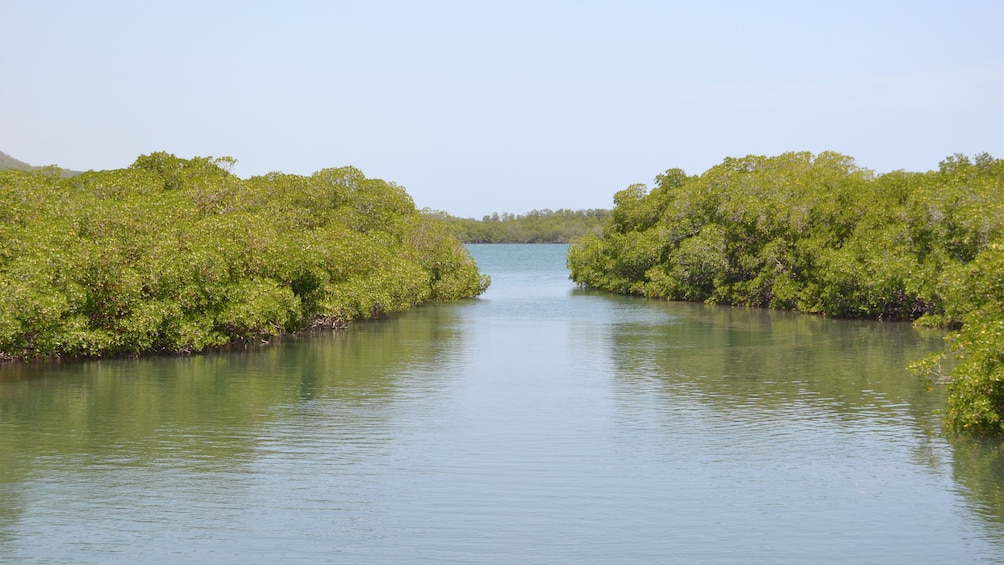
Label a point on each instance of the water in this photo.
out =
(538, 424)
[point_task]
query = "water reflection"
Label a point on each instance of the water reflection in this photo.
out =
(746, 357)
(174, 440)
(978, 469)
(825, 406)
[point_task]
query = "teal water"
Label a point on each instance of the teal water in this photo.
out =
(537, 424)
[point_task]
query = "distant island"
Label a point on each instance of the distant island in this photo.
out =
(537, 226)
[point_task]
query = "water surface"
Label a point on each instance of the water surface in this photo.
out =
(537, 424)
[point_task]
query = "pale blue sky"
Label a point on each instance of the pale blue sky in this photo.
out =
(510, 106)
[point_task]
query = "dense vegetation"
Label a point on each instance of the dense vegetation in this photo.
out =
(176, 255)
(820, 235)
(537, 226)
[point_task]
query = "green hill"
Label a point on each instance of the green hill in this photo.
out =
(8, 162)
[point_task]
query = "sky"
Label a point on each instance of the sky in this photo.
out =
(508, 106)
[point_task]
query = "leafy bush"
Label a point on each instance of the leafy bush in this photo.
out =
(179, 255)
(818, 234)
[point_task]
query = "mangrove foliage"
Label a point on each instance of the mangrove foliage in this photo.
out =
(818, 234)
(180, 255)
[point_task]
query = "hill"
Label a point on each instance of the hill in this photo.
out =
(7, 162)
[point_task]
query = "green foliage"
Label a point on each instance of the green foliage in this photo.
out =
(976, 301)
(537, 226)
(818, 234)
(178, 255)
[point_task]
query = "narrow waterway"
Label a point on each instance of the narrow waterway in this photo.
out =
(537, 424)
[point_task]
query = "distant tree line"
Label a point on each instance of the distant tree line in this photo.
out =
(537, 226)
(179, 255)
(820, 235)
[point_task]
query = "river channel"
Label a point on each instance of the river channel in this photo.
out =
(537, 424)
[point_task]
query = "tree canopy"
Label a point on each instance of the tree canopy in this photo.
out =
(818, 234)
(179, 255)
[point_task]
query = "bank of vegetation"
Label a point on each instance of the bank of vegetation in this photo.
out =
(179, 255)
(818, 234)
(536, 226)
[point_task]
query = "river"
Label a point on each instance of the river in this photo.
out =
(537, 424)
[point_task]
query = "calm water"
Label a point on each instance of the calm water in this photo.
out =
(538, 424)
